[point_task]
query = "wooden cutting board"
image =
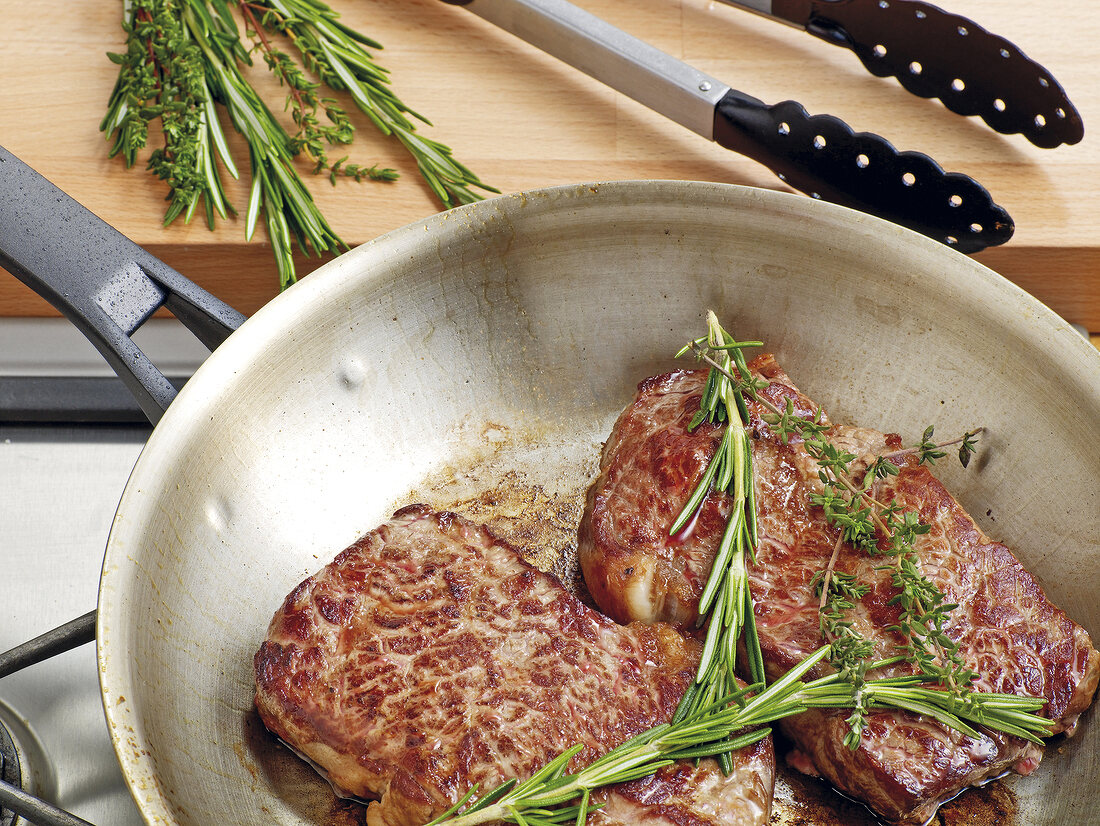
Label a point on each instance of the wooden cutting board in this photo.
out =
(521, 119)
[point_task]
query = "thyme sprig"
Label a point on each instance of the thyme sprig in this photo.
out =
(885, 528)
(162, 76)
(184, 60)
(850, 652)
(302, 100)
(928, 450)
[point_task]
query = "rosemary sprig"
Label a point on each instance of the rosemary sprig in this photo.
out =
(725, 599)
(546, 797)
(337, 55)
(184, 59)
(277, 193)
(731, 722)
(1007, 713)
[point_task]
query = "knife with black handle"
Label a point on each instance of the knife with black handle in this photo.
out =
(936, 54)
(817, 154)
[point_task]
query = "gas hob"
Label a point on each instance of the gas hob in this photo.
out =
(61, 486)
(60, 483)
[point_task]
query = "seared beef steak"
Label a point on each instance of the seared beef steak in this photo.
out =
(1007, 630)
(632, 567)
(428, 657)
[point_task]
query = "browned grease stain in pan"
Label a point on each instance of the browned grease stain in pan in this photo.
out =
(346, 813)
(539, 516)
(807, 801)
(993, 805)
(274, 766)
(541, 526)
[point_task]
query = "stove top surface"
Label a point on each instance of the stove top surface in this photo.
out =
(61, 485)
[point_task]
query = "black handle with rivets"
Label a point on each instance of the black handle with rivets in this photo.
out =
(822, 156)
(936, 54)
(818, 155)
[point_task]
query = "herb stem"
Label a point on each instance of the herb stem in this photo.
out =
(827, 581)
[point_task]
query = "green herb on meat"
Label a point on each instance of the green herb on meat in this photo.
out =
(725, 598)
(879, 529)
(715, 718)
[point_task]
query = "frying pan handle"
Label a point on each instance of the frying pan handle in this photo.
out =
(100, 280)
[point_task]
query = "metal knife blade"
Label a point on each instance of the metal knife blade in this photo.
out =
(819, 155)
(937, 54)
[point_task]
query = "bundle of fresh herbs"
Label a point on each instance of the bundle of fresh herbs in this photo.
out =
(184, 61)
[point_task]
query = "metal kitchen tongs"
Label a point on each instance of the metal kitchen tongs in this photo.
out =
(820, 154)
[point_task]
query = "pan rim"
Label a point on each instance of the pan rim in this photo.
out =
(352, 271)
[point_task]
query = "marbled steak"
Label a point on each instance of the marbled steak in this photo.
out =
(429, 656)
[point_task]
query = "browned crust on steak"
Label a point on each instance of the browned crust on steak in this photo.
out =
(634, 570)
(429, 656)
(1006, 628)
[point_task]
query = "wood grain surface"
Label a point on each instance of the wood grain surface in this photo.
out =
(521, 119)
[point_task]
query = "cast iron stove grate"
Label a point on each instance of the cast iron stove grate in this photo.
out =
(10, 770)
(16, 797)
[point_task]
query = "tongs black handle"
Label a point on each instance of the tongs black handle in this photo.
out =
(937, 54)
(819, 155)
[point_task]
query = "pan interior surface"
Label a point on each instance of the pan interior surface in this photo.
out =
(492, 347)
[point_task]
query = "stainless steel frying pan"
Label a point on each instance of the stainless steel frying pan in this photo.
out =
(493, 345)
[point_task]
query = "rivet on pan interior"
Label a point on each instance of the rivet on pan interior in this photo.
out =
(352, 374)
(219, 514)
